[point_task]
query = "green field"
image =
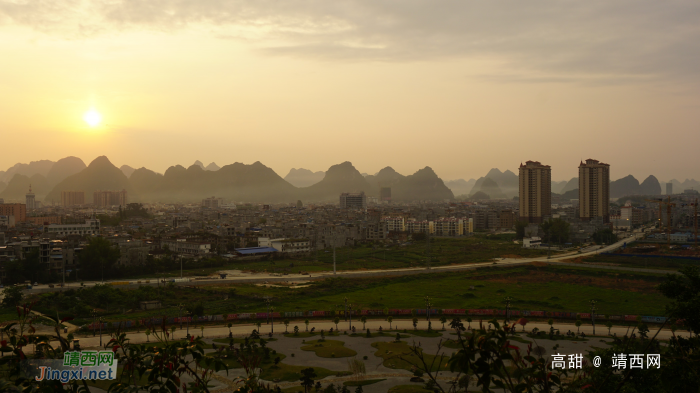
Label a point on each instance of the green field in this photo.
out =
(328, 349)
(639, 262)
(548, 288)
(444, 251)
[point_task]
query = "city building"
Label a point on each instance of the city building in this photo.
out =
(291, 246)
(353, 200)
(109, 198)
(449, 227)
(507, 219)
(385, 194)
(30, 199)
(44, 220)
(669, 188)
(72, 198)
(18, 210)
(182, 246)
(213, 203)
(594, 190)
(395, 224)
(535, 191)
(91, 227)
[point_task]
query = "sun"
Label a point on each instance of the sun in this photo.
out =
(92, 117)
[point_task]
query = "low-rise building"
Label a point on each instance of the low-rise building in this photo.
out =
(182, 246)
(292, 246)
(91, 227)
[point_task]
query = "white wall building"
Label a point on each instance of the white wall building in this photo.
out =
(91, 227)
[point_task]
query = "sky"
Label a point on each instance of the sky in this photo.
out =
(460, 86)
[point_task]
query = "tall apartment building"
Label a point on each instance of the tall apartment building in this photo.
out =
(353, 200)
(30, 199)
(109, 198)
(669, 188)
(385, 194)
(535, 191)
(72, 198)
(213, 203)
(18, 210)
(594, 190)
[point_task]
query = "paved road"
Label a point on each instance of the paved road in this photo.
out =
(239, 277)
(213, 331)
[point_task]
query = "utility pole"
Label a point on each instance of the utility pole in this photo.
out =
(593, 309)
(427, 242)
(334, 257)
(350, 314)
(346, 308)
(507, 301)
(427, 311)
(270, 309)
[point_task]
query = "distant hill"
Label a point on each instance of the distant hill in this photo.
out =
(2, 186)
(338, 179)
(145, 182)
(558, 186)
(127, 170)
(627, 185)
(569, 195)
(460, 186)
(101, 174)
(478, 196)
(41, 167)
(687, 184)
(650, 186)
(303, 177)
(212, 167)
(63, 168)
(18, 187)
(422, 185)
(235, 182)
(387, 177)
(571, 185)
(491, 188)
(507, 183)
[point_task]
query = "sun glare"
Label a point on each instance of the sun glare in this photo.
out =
(92, 117)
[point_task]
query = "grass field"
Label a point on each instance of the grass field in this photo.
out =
(444, 251)
(545, 288)
(398, 355)
(329, 349)
(639, 262)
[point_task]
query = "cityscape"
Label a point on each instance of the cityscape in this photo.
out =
(349, 197)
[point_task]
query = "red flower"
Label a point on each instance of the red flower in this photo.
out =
(114, 348)
(586, 386)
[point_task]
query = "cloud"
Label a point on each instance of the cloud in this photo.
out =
(623, 40)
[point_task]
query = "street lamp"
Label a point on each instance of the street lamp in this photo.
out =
(189, 316)
(179, 313)
(346, 308)
(593, 309)
(350, 315)
(270, 309)
(94, 315)
(427, 311)
(507, 300)
(100, 331)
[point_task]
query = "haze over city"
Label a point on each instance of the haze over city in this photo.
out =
(461, 87)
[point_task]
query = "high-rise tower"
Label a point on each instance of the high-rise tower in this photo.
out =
(535, 191)
(594, 190)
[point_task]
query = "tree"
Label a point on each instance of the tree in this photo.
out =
(12, 296)
(605, 235)
(443, 320)
(469, 322)
(98, 259)
(286, 323)
(148, 335)
(415, 323)
(306, 322)
(363, 319)
(556, 230)
(520, 229)
(172, 331)
(578, 324)
(684, 291)
(307, 378)
(609, 325)
(336, 321)
(390, 319)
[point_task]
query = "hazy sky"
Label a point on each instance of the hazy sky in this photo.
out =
(461, 86)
